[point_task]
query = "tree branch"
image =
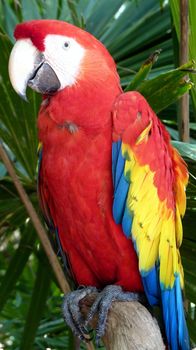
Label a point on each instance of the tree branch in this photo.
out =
(184, 56)
(130, 326)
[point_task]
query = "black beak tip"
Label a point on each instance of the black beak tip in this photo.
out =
(24, 97)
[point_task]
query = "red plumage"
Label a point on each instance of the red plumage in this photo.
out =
(77, 180)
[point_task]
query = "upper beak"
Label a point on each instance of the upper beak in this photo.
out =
(27, 66)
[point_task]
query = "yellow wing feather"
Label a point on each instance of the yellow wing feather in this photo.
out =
(156, 228)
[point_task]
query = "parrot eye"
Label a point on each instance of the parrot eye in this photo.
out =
(66, 44)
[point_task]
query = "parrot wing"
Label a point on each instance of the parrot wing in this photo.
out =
(149, 178)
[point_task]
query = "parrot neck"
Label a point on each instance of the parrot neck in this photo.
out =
(86, 106)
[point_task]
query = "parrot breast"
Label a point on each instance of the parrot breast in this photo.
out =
(76, 179)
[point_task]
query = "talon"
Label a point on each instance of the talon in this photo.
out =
(87, 340)
(72, 314)
(102, 304)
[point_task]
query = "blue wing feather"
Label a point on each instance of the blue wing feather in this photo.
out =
(117, 163)
(151, 286)
(127, 222)
(121, 186)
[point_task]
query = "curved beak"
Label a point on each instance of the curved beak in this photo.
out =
(27, 66)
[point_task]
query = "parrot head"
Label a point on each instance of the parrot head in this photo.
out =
(51, 55)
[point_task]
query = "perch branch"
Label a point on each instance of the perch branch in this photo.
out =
(130, 326)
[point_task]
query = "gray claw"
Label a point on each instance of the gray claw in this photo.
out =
(102, 304)
(72, 314)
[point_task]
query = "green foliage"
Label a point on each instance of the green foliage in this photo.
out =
(164, 89)
(17, 263)
(143, 72)
(36, 307)
(132, 31)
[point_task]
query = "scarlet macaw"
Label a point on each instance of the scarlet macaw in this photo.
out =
(110, 183)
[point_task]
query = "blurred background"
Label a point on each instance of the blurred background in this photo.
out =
(132, 30)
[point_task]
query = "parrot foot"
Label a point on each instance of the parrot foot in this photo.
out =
(101, 306)
(72, 314)
(103, 303)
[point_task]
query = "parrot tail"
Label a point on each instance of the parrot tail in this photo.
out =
(173, 314)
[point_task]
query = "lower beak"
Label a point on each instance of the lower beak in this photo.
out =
(27, 66)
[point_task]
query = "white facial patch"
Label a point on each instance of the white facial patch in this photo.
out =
(64, 55)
